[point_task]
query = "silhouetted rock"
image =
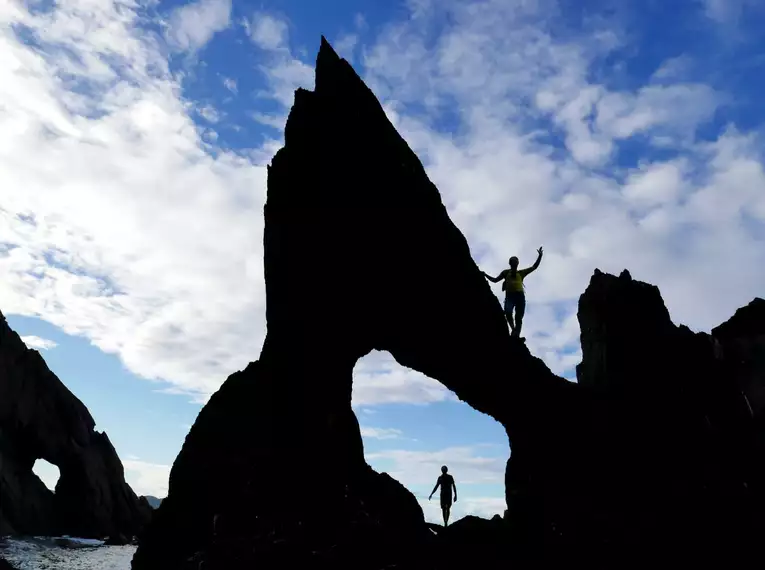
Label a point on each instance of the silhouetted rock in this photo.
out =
(41, 419)
(117, 540)
(472, 542)
(5, 565)
(360, 254)
(741, 343)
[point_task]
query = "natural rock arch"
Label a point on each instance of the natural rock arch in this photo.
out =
(41, 419)
(360, 254)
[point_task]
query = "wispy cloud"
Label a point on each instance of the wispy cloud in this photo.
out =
(147, 478)
(378, 379)
(209, 113)
(380, 433)
(268, 32)
(728, 11)
(193, 25)
(38, 343)
(230, 84)
(466, 464)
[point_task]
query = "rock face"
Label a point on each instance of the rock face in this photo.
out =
(360, 254)
(686, 422)
(41, 419)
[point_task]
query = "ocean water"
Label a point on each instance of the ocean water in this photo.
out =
(44, 553)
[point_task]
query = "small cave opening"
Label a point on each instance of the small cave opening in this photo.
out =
(412, 425)
(47, 473)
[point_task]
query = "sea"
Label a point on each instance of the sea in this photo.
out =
(64, 553)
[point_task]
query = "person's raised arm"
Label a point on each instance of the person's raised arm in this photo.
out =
(434, 489)
(496, 279)
(536, 263)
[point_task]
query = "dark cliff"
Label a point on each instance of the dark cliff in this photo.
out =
(41, 419)
(623, 460)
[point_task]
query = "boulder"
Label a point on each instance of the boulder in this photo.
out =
(41, 419)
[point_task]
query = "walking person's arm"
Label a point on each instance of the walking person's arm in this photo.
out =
(496, 279)
(536, 263)
(434, 489)
(454, 486)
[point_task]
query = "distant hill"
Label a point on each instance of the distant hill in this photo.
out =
(153, 501)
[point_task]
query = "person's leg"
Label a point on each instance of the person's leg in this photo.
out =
(509, 310)
(447, 512)
(520, 310)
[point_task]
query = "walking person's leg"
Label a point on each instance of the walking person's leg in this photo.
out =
(446, 506)
(509, 310)
(520, 311)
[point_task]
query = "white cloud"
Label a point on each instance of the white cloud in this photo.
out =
(138, 238)
(284, 74)
(380, 433)
(728, 11)
(230, 84)
(378, 379)
(38, 343)
(209, 113)
(656, 184)
(269, 32)
(147, 478)
(465, 464)
(192, 25)
(345, 46)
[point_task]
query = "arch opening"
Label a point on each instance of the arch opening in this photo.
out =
(411, 425)
(47, 473)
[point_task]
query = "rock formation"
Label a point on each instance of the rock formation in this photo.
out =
(41, 419)
(360, 254)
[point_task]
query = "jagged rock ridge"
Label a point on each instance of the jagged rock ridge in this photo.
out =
(41, 419)
(360, 254)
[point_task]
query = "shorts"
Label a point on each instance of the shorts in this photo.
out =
(515, 300)
(446, 501)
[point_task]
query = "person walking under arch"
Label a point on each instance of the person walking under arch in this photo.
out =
(446, 482)
(515, 297)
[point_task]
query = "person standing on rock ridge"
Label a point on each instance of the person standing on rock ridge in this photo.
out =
(446, 482)
(515, 297)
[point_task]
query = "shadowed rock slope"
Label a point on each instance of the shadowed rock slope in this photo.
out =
(41, 419)
(360, 254)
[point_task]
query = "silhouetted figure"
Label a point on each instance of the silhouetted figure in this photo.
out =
(446, 482)
(515, 298)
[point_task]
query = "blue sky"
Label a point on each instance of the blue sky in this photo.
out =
(134, 139)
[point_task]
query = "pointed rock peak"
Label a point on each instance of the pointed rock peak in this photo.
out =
(326, 47)
(333, 73)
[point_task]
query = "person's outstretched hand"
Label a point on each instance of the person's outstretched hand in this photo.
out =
(455, 498)
(539, 251)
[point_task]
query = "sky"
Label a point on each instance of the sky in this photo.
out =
(134, 139)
